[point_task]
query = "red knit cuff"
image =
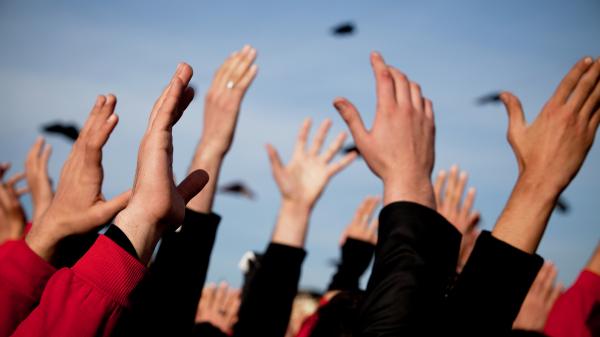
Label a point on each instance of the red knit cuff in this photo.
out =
(591, 282)
(28, 272)
(110, 268)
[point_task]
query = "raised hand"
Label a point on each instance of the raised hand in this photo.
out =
(363, 226)
(555, 145)
(549, 152)
(156, 203)
(539, 300)
(399, 148)
(12, 215)
(304, 178)
(449, 190)
(219, 306)
(36, 172)
(224, 98)
(221, 110)
(79, 205)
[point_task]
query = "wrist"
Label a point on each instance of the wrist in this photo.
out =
(292, 224)
(540, 185)
(415, 189)
(143, 234)
(41, 243)
(210, 151)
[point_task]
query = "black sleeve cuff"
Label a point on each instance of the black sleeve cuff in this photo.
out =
(434, 237)
(194, 219)
(498, 266)
(116, 234)
(206, 329)
(356, 257)
(284, 256)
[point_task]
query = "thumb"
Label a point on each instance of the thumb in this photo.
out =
(274, 159)
(516, 117)
(352, 118)
(105, 211)
(192, 184)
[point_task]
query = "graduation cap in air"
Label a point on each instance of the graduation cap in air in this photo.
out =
(343, 29)
(238, 188)
(350, 148)
(562, 206)
(70, 131)
(492, 98)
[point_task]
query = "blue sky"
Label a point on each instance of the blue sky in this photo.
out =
(57, 56)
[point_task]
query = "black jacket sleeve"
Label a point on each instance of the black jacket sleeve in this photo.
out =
(415, 259)
(265, 309)
(488, 294)
(356, 257)
(165, 302)
(206, 329)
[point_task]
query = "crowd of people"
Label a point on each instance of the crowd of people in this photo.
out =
(82, 265)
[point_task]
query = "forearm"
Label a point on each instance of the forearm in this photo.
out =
(210, 161)
(292, 224)
(524, 219)
(143, 237)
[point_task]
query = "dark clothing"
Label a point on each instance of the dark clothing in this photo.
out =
(525, 333)
(356, 257)
(488, 294)
(116, 234)
(415, 257)
(207, 330)
(165, 302)
(266, 309)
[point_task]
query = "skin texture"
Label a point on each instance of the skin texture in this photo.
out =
(79, 205)
(399, 148)
(302, 181)
(539, 300)
(157, 204)
(219, 306)
(12, 215)
(36, 172)
(449, 191)
(549, 152)
(363, 226)
(221, 111)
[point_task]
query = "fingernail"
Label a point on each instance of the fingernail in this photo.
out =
(246, 47)
(587, 60)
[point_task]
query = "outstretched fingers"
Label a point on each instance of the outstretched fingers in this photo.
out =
(319, 138)
(300, 146)
(569, 82)
(275, 161)
(334, 147)
(341, 164)
(384, 82)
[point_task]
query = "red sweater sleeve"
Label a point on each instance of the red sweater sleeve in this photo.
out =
(570, 312)
(86, 300)
(23, 277)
